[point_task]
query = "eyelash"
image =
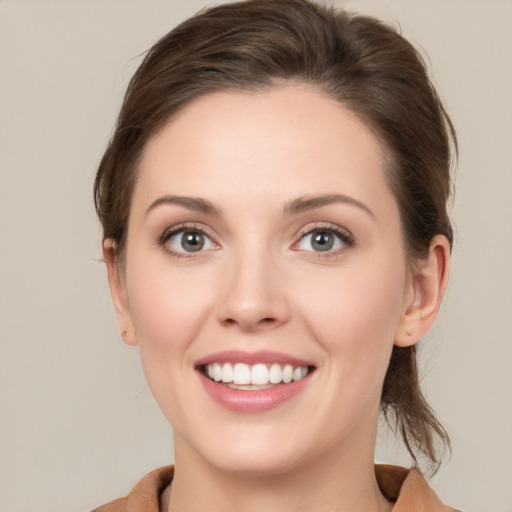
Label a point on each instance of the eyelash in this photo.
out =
(343, 235)
(164, 238)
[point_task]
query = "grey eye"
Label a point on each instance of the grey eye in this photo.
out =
(320, 240)
(189, 241)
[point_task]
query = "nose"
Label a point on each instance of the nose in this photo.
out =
(253, 294)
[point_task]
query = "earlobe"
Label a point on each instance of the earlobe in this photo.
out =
(118, 292)
(427, 286)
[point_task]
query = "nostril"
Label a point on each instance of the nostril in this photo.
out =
(250, 324)
(266, 320)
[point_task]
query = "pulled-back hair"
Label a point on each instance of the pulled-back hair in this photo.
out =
(362, 63)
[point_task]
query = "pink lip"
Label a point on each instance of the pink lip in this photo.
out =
(262, 356)
(261, 400)
(246, 401)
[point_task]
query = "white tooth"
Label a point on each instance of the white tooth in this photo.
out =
(241, 374)
(250, 387)
(297, 373)
(259, 374)
(275, 374)
(209, 370)
(217, 372)
(227, 373)
(304, 371)
(287, 373)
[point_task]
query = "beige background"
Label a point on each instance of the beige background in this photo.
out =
(78, 426)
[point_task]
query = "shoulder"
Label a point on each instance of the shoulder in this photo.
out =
(145, 496)
(408, 489)
(118, 505)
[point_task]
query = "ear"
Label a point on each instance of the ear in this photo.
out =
(425, 291)
(117, 285)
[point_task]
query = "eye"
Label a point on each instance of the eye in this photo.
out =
(324, 240)
(187, 240)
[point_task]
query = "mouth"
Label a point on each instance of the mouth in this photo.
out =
(258, 376)
(253, 382)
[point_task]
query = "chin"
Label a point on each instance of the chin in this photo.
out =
(257, 464)
(246, 450)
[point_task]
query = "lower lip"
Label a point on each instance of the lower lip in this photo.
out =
(245, 401)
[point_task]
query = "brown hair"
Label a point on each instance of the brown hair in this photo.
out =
(357, 60)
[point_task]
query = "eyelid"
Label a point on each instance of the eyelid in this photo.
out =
(180, 228)
(343, 234)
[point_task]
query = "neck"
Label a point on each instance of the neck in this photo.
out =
(334, 482)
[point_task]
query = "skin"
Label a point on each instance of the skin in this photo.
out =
(261, 285)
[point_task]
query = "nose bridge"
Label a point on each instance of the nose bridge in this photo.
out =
(253, 291)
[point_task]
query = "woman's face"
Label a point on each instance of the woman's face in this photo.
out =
(264, 243)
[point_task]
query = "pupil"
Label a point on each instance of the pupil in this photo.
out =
(192, 241)
(323, 241)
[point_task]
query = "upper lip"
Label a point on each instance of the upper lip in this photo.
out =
(260, 356)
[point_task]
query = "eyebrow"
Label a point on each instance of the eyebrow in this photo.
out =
(299, 205)
(191, 203)
(306, 203)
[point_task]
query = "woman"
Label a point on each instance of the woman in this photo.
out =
(273, 204)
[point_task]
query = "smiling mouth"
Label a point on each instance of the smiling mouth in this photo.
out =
(254, 377)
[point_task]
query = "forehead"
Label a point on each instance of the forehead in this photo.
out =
(269, 145)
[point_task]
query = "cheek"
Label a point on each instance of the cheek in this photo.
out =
(168, 311)
(354, 316)
(168, 308)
